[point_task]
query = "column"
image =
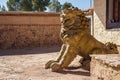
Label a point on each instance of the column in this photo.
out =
(116, 10)
(110, 7)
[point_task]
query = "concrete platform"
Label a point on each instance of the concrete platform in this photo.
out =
(105, 67)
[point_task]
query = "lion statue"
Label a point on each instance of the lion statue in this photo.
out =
(77, 40)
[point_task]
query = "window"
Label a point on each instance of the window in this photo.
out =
(112, 14)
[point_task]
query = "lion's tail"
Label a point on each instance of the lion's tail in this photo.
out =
(112, 47)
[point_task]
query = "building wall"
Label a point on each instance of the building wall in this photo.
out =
(28, 30)
(100, 32)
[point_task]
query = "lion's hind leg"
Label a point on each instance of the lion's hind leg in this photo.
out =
(86, 62)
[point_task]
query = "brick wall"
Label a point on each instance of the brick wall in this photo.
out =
(28, 30)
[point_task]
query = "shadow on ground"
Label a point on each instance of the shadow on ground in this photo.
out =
(76, 73)
(70, 71)
(29, 51)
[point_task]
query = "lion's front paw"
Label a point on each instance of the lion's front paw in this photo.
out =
(48, 64)
(55, 67)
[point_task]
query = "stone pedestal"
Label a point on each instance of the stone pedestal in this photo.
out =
(105, 67)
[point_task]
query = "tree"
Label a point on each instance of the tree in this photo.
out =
(13, 5)
(58, 7)
(66, 5)
(3, 8)
(0, 7)
(27, 5)
(55, 6)
(40, 5)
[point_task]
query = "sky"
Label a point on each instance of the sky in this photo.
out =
(81, 4)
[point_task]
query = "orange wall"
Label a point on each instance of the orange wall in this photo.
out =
(26, 30)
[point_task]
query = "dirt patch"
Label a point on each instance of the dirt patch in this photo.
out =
(31, 66)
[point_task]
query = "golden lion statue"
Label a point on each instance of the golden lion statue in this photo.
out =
(77, 40)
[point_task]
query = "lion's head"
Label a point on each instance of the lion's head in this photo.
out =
(73, 18)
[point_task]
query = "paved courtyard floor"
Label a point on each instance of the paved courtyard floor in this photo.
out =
(28, 64)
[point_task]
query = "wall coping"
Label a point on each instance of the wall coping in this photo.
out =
(112, 60)
(30, 13)
(22, 13)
